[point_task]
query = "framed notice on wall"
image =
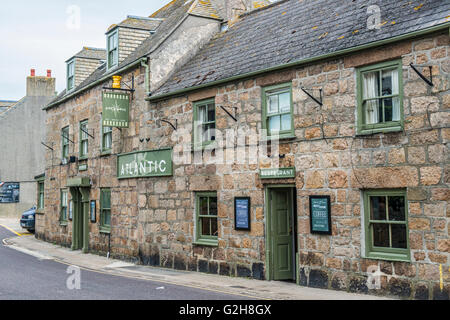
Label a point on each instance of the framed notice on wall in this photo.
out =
(320, 214)
(93, 211)
(242, 214)
(70, 210)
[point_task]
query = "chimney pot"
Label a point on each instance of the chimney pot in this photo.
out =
(33, 72)
(49, 73)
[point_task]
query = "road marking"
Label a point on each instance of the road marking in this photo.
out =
(1, 225)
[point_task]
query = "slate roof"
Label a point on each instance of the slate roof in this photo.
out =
(204, 8)
(173, 14)
(141, 23)
(294, 30)
(91, 53)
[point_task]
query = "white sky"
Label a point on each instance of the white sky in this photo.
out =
(37, 34)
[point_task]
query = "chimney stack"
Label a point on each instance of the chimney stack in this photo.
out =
(40, 86)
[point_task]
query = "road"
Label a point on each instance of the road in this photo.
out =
(24, 277)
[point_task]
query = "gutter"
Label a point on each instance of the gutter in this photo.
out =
(304, 61)
(93, 84)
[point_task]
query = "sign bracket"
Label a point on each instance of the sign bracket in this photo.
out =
(235, 111)
(47, 146)
(67, 138)
(319, 102)
(87, 133)
(175, 127)
(428, 81)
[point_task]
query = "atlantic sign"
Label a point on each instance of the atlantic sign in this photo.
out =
(116, 110)
(156, 163)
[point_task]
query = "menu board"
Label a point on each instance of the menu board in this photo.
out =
(9, 192)
(242, 213)
(320, 214)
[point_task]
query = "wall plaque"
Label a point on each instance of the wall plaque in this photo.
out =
(280, 173)
(320, 214)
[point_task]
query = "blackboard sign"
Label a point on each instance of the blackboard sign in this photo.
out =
(242, 214)
(9, 192)
(320, 214)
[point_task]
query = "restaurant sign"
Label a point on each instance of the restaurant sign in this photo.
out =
(156, 163)
(116, 110)
(280, 173)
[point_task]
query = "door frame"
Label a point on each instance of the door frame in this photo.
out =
(268, 218)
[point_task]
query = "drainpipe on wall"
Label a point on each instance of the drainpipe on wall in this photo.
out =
(147, 77)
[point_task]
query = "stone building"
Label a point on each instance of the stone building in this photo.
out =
(330, 132)
(22, 127)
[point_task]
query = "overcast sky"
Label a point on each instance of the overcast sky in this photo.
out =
(44, 34)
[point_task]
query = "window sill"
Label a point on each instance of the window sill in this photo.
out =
(366, 132)
(40, 211)
(288, 136)
(105, 230)
(209, 243)
(83, 158)
(207, 146)
(397, 257)
(105, 153)
(63, 223)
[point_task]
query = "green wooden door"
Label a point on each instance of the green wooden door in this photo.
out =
(282, 234)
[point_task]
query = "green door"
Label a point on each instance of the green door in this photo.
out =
(282, 234)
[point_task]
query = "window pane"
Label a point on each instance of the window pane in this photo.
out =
(387, 109)
(371, 84)
(203, 210)
(209, 226)
(285, 102)
(387, 82)
(371, 111)
(107, 217)
(211, 113)
(399, 236)
(209, 132)
(274, 124)
(396, 208)
(286, 122)
(213, 206)
(378, 208)
(272, 104)
(381, 235)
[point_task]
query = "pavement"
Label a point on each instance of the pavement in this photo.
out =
(229, 287)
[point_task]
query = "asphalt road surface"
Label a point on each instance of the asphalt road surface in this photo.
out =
(24, 277)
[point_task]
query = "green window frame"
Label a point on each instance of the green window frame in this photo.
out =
(204, 124)
(386, 225)
(105, 210)
(380, 98)
(113, 49)
(84, 140)
(65, 143)
(70, 75)
(64, 206)
(106, 139)
(207, 223)
(278, 116)
(41, 190)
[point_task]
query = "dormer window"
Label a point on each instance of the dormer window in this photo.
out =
(113, 49)
(70, 75)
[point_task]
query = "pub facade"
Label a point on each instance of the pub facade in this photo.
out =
(308, 156)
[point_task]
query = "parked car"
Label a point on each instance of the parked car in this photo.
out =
(28, 219)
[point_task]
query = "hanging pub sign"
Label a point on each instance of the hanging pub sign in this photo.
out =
(116, 110)
(242, 214)
(320, 214)
(156, 163)
(280, 173)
